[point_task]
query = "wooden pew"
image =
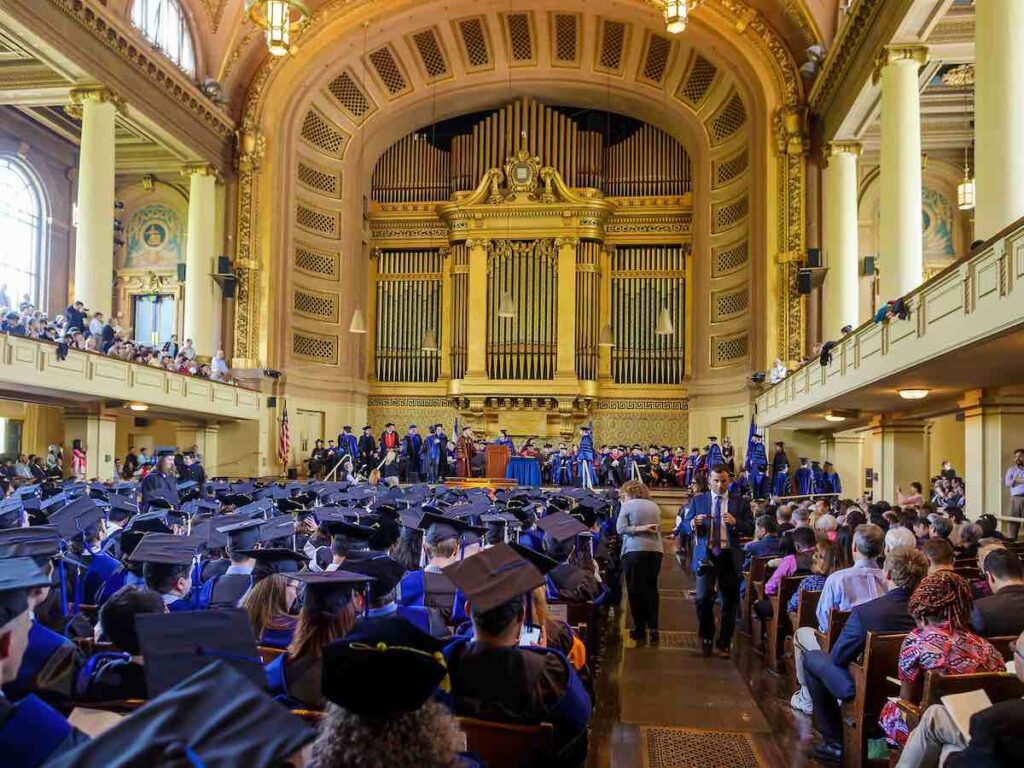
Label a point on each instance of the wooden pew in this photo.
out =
(268, 654)
(836, 622)
(1000, 686)
(501, 745)
(779, 627)
(860, 715)
(805, 616)
(758, 573)
(1004, 644)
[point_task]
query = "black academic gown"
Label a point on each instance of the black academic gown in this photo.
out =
(157, 485)
(195, 472)
(114, 677)
(572, 584)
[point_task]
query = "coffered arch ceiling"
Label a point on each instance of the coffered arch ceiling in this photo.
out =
(353, 90)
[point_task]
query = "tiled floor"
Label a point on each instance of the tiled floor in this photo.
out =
(673, 687)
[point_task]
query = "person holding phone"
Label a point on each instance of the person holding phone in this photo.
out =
(639, 525)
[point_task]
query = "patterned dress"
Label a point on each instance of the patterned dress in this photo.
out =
(812, 583)
(941, 649)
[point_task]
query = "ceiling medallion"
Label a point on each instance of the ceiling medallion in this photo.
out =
(280, 19)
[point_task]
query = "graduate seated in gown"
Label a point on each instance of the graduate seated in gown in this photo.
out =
(381, 596)
(494, 677)
(568, 541)
(32, 733)
(167, 567)
(330, 603)
(268, 605)
(226, 590)
(381, 683)
(51, 661)
(118, 675)
(430, 587)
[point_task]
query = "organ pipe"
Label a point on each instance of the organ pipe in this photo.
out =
(408, 305)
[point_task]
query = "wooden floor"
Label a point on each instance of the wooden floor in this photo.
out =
(673, 687)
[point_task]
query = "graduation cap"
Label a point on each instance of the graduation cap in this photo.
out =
(200, 506)
(276, 560)
(99, 492)
(385, 572)
(242, 535)
(236, 499)
(25, 491)
(76, 518)
(177, 644)
(41, 549)
(386, 532)
(440, 528)
(18, 575)
(540, 561)
(11, 515)
(166, 549)
(275, 528)
(561, 526)
(258, 508)
(498, 523)
(383, 668)
(51, 504)
(187, 490)
(122, 503)
(329, 591)
(148, 522)
(494, 576)
(206, 531)
(215, 718)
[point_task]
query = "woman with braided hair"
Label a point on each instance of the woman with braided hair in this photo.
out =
(941, 605)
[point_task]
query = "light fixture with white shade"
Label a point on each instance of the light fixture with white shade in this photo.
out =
(358, 323)
(914, 394)
(430, 341)
(835, 417)
(965, 189)
(607, 336)
(507, 306)
(135, 405)
(665, 325)
(677, 14)
(280, 19)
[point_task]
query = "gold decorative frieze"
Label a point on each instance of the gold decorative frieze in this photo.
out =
(80, 95)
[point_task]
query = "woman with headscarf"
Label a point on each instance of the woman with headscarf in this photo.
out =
(941, 605)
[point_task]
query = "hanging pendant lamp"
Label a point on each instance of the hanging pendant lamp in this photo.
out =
(430, 341)
(507, 306)
(607, 336)
(358, 324)
(665, 325)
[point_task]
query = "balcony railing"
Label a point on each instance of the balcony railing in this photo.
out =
(27, 363)
(976, 298)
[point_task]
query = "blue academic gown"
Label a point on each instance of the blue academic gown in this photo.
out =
(756, 456)
(804, 481)
(347, 443)
(585, 458)
(156, 486)
(831, 483)
(714, 456)
(507, 442)
(43, 646)
(32, 733)
(780, 484)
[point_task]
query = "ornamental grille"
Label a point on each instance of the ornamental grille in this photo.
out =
(729, 258)
(566, 37)
(316, 262)
(350, 96)
(697, 84)
(520, 37)
(658, 49)
(323, 135)
(729, 349)
(319, 349)
(728, 215)
(322, 306)
(321, 181)
(317, 220)
(728, 120)
(727, 305)
(613, 43)
(732, 168)
(434, 63)
(474, 39)
(388, 71)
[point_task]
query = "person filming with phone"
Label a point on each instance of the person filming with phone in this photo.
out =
(639, 525)
(717, 522)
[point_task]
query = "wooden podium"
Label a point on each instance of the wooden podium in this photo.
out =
(497, 461)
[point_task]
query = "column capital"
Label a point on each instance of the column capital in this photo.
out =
(561, 242)
(251, 146)
(834, 148)
(201, 169)
(100, 93)
(791, 134)
(472, 243)
(890, 54)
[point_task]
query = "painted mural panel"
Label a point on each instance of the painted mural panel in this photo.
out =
(154, 239)
(937, 224)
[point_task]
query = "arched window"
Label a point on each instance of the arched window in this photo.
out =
(163, 24)
(22, 232)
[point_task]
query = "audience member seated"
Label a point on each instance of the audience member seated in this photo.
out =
(994, 739)
(941, 607)
(803, 540)
(898, 536)
(827, 674)
(970, 535)
(843, 590)
(120, 675)
(823, 564)
(942, 527)
(1003, 612)
(940, 555)
(766, 540)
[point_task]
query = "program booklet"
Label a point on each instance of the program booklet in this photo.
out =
(963, 706)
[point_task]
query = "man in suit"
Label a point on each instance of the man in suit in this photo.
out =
(827, 675)
(717, 522)
(1003, 612)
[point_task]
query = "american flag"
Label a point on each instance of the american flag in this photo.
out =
(284, 443)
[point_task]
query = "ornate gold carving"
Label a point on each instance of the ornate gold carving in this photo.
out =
(859, 21)
(215, 9)
(890, 54)
(791, 136)
(961, 76)
(566, 241)
(251, 148)
(834, 148)
(100, 93)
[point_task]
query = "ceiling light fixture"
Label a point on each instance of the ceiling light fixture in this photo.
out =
(280, 19)
(965, 189)
(830, 416)
(665, 325)
(358, 324)
(135, 405)
(914, 394)
(430, 341)
(607, 337)
(677, 13)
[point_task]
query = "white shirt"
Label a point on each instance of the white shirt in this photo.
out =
(219, 365)
(724, 529)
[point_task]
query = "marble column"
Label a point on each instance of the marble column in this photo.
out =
(202, 307)
(96, 108)
(901, 247)
(998, 115)
(842, 257)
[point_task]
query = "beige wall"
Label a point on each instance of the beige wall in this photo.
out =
(947, 442)
(42, 425)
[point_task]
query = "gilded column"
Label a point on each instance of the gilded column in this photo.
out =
(998, 115)
(792, 141)
(444, 332)
(841, 237)
(476, 321)
(901, 249)
(566, 330)
(604, 353)
(96, 108)
(252, 145)
(201, 306)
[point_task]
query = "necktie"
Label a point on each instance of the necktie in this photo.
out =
(716, 527)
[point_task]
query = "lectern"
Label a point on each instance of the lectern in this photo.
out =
(497, 462)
